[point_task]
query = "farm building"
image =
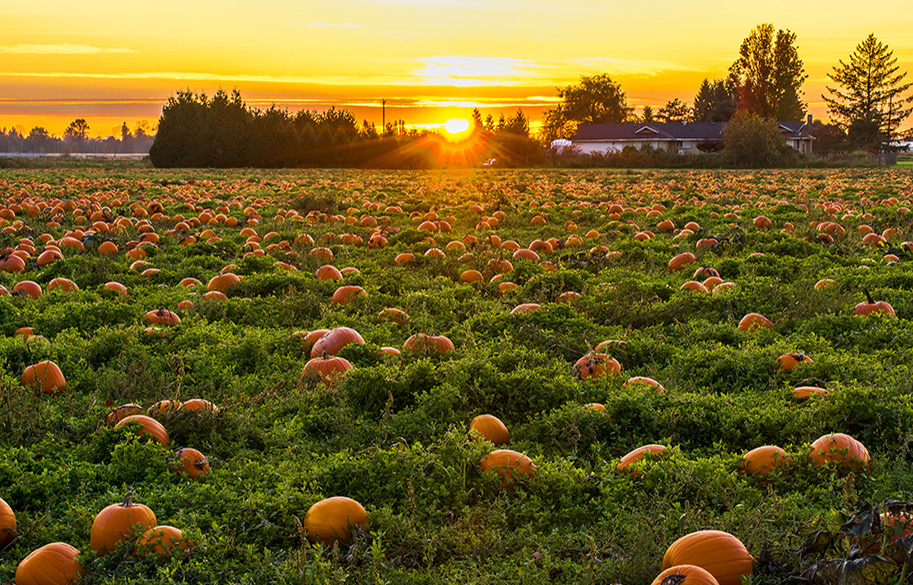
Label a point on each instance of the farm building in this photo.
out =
(680, 137)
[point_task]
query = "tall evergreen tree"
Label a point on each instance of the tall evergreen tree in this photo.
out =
(675, 110)
(716, 101)
(769, 74)
(868, 99)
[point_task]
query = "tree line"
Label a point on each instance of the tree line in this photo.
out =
(76, 139)
(196, 130)
(866, 103)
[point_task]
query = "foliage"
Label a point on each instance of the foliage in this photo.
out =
(715, 101)
(596, 99)
(768, 74)
(750, 140)
(868, 99)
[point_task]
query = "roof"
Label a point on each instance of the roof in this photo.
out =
(660, 131)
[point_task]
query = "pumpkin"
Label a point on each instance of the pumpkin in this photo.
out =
(116, 523)
(162, 317)
(149, 427)
(116, 287)
(45, 376)
(52, 564)
(719, 553)
(763, 460)
(164, 407)
(524, 307)
(200, 405)
(330, 521)
(348, 293)
(223, 282)
(328, 368)
(595, 365)
(428, 344)
(840, 449)
(685, 575)
(788, 361)
(159, 541)
(753, 321)
(705, 272)
(123, 411)
(393, 314)
(328, 272)
(680, 261)
(7, 524)
(870, 307)
(625, 463)
(334, 340)
(512, 467)
(490, 428)
(27, 288)
(650, 382)
(190, 461)
(808, 391)
(63, 285)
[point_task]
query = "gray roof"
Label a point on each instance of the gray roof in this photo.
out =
(667, 131)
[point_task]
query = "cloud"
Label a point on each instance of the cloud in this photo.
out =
(647, 67)
(476, 71)
(59, 50)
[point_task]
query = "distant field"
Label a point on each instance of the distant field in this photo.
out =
(584, 311)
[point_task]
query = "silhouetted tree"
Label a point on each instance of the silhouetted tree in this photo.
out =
(769, 74)
(675, 110)
(751, 140)
(716, 101)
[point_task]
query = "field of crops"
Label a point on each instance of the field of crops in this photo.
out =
(592, 313)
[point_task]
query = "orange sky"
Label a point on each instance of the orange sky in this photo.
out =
(110, 62)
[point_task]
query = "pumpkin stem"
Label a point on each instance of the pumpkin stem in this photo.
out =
(201, 463)
(867, 294)
(324, 355)
(128, 500)
(674, 579)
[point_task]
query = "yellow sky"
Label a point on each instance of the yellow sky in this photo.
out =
(110, 62)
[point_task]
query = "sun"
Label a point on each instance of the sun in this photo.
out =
(456, 128)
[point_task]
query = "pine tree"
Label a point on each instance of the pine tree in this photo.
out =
(868, 101)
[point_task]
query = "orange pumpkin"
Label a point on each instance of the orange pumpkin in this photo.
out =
(223, 282)
(842, 450)
(149, 427)
(200, 405)
(753, 321)
(160, 540)
(595, 365)
(490, 428)
(871, 307)
(393, 314)
(679, 262)
(328, 272)
(164, 407)
(788, 361)
(685, 575)
(45, 376)
(428, 344)
(331, 520)
(625, 463)
(512, 467)
(27, 288)
(346, 294)
(116, 287)
(333, 341)
(328, 368)
(7, 524)
(162, 317)
(52, 564)
(123, 411)
(191, 461)
(117, 522)
(763, 460)
(656, 386)
(719, 553)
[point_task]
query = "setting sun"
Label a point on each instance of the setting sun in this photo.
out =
(456, 126)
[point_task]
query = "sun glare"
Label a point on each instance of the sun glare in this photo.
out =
(456, 127)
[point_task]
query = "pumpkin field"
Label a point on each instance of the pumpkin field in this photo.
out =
(318, 376)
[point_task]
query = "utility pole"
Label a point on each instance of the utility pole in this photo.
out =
(383, 116)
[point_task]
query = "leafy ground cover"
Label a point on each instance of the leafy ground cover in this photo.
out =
(392, 432)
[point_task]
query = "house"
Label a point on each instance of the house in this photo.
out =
(679, 137)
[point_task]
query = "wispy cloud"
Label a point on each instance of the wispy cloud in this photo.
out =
(330, 24)
(475, 71)
(59, 50)
(646, 67)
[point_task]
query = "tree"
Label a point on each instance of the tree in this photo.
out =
(769, 74)
(77, 130)
(675, 110)
(868, 100)
(477, 119)
(647, 116)
(595, 100)
(751, 140)
(716, 101)
(39, 140)
(516, 124)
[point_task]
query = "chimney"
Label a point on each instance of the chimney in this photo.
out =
(808, 125)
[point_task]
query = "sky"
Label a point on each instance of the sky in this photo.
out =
(111, 62)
